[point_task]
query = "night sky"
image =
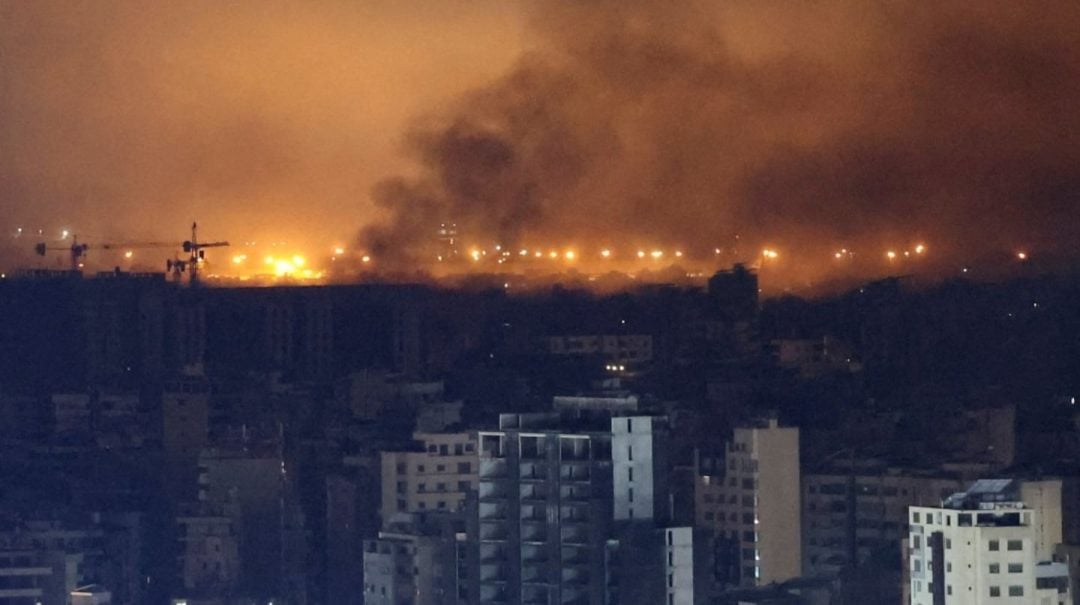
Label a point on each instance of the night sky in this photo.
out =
(804, 128)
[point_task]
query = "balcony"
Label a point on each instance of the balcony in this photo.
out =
(493, 532)
(491, 511)
(533, 492)
(492, 490)
(574, 535)
(492, 469)
(574, 472)
(533, 471)
(533, 531)
(493, 572)
(574, 493)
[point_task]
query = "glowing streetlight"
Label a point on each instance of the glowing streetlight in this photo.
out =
(891, 255)
(129, 254)
(605, 253)
(919, 249)
(1022, 255)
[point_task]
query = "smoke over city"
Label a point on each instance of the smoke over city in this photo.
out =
(635, 125)
(805, 126)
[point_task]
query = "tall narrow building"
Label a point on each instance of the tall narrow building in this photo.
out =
(751, 501)
(572, 508)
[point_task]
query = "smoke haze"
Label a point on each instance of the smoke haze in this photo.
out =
(808, 126)
(803, 126)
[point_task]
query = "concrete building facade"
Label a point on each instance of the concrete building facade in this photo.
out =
(436, 477)
(753, 503)
(982, 546)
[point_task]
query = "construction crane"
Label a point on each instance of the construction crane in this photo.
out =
(196, 254)
(77, 251)
(192, 247)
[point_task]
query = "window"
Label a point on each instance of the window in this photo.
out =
(440, 468)
(444, 450)
(630, 474)
(916, 541)
(462, 486)
(1016, 568)
(948, 543)
(995, 568)
(995, 545)
(630, 452)
(1016, 591)
(915, 517)
(458, 449)
(440, 487)
(421, 487)
(419, 468)
(948, 589)
(470, 447)
(709, 516)
(464, 468)
(402, 487)
(630, 494)
(629, 425)
(995, 591)
(442, 504)
(1015, 545)
(432, 448)
(948, 567)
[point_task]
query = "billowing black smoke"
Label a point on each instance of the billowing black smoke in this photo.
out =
(811, 126)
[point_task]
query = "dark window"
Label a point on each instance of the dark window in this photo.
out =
(995, 545)
(1015, 545)
(995, 591)
(995, 568)
(444, 450)
(1016, 568)
(464, 468)
(1016, 591)
(458, 449)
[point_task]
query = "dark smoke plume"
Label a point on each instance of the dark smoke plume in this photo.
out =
(808, 125)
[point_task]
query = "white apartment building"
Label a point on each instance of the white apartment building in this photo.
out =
(755, 503)
(434, 478)
(981, 547)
